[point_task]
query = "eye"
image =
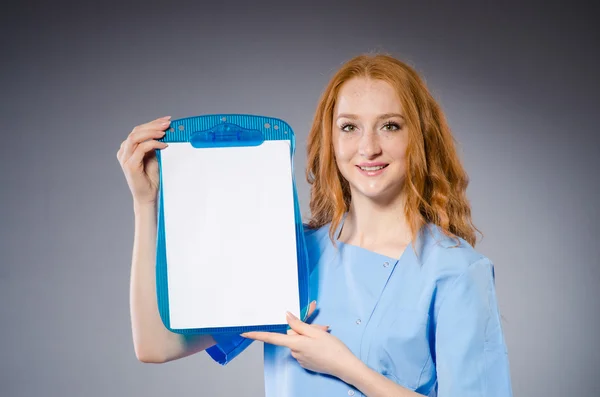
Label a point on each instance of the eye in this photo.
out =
(345, 126)
(391, 126)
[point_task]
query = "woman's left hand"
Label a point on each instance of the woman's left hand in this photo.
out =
(312, 346)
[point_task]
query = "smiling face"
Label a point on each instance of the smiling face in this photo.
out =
(370, 139)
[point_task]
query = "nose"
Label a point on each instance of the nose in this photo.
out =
(369, 145)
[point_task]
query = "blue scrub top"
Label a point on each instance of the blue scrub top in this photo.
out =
(429, 320)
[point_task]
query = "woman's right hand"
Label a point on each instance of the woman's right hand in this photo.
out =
(138, 159)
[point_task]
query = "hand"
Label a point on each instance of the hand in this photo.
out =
(312, 346)
(138, 159)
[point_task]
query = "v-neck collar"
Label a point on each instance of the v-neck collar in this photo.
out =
(363, 250)
(427, 235)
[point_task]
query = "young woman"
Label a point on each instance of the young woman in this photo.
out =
(406, 306)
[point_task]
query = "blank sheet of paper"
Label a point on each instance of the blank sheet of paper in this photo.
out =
(230, 235)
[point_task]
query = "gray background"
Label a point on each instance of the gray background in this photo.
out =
(518, 84)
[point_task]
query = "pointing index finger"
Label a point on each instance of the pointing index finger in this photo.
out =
(272, 338)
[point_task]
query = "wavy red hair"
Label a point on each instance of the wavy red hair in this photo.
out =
(435, 182)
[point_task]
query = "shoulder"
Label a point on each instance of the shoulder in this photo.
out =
(453, 266)
(318, 237)
(450, 263)
(447, 256)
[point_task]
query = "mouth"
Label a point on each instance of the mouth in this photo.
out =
(372, 169)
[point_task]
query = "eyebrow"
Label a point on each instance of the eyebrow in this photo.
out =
(383, 116)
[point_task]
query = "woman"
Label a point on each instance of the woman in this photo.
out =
(407, 307)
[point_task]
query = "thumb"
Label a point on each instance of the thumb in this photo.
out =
(311, 309)
(301, 327)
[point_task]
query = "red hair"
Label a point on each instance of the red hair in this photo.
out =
(435, 182)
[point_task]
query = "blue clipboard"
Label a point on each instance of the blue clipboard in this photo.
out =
(217, 131)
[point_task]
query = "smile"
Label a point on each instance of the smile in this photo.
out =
(379, 167)
(371, 170)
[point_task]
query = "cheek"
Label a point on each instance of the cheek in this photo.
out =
(344, 150)
(396, 150)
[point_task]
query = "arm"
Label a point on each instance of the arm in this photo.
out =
(471, 356)
(471, 359)
(153, 342)
(372, 383)
(317, 350)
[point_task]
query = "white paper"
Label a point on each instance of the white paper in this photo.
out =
(230, 235)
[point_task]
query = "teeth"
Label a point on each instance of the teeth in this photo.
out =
(371, 168)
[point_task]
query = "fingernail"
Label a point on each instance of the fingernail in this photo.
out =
(165, 123)
(166, 117)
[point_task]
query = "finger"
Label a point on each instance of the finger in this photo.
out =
(311, 309)
(138, 136)
(142, 133)
(154, 123)
(159, 120)
(301, 327)
(273, 338)
(138, 155)
(320, 327)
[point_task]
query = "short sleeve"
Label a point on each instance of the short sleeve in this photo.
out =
(471, 355)
(228, 347)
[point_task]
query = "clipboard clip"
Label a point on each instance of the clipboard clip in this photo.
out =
(226, 135)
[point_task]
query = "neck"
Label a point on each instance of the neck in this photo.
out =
(370, 224)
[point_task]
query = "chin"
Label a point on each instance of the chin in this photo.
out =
(383, 187)
(381, 194)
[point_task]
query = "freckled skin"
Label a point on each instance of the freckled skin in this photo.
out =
(366, 137)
